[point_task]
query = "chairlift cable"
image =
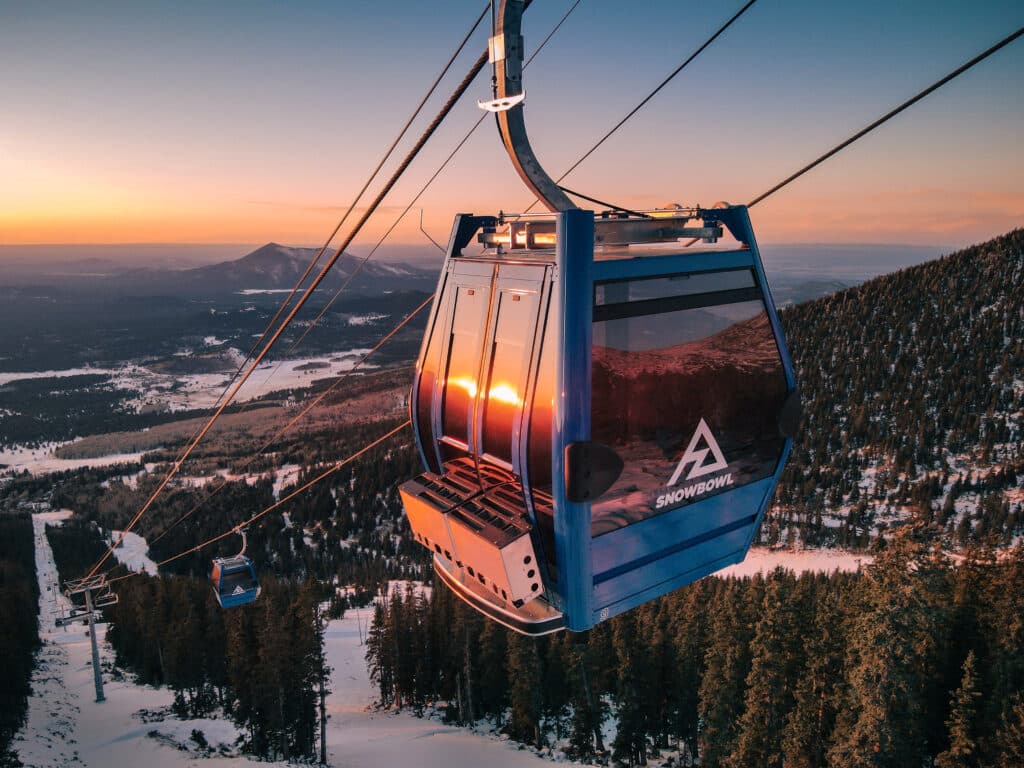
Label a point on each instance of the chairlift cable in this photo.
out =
(351, 207)
(306, 486)
(888, 116)
(373, 174)
(424, 188)
(671, 76)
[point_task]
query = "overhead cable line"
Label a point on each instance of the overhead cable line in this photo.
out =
(888, 116)
(373, 174)
(460, 89)
(426, 186)
(671, 76)
(880, 121)
(298, 417)
(358, 197)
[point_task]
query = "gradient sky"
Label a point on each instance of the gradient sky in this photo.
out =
(235, 122)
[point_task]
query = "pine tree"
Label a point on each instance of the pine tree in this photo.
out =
(727, 664)
(962, 752)
(525, 672)
(588, 711)
(379, 655)
(808, 729)
(893, 648)
(769, 694)
(493, 677)
(632, 690)
(688, 630)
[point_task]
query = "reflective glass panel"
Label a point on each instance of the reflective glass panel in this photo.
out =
(514, 330)
(460, 387)
(689, 398)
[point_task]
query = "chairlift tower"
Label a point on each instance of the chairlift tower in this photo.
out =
(104, 597)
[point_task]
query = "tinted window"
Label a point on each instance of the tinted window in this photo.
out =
(686, 388)
(235, 579)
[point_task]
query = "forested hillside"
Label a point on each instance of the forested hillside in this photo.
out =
(912, 660)
(912, 386)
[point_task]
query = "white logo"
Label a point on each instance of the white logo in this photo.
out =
(699, 456)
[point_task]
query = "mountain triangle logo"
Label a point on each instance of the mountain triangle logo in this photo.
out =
(703, 452)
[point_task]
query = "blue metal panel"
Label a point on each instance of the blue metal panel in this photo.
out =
(575, 237)
(651, 266)
(234, 601)
(654, 535)
(651, 558)
(656, 591)
(662, 574)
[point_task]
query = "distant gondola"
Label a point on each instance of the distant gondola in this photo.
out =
(234, 579)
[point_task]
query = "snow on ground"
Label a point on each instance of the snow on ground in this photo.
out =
(7, 378)
(285, 475)
(40, 461)
(763, 560)
(177, 392)
(134, 553)
(372, 317)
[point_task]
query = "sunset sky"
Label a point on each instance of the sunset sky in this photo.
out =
(129, 122)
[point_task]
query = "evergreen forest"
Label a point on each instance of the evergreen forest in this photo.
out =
(911, 386)
(912, 662)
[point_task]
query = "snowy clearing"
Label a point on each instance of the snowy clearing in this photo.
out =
(763, 560)
(134, 553)
(40, 461)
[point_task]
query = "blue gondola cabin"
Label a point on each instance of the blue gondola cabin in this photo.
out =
(603, 412)
(234, 581)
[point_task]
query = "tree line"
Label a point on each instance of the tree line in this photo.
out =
(913, 662)
(19, 626)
